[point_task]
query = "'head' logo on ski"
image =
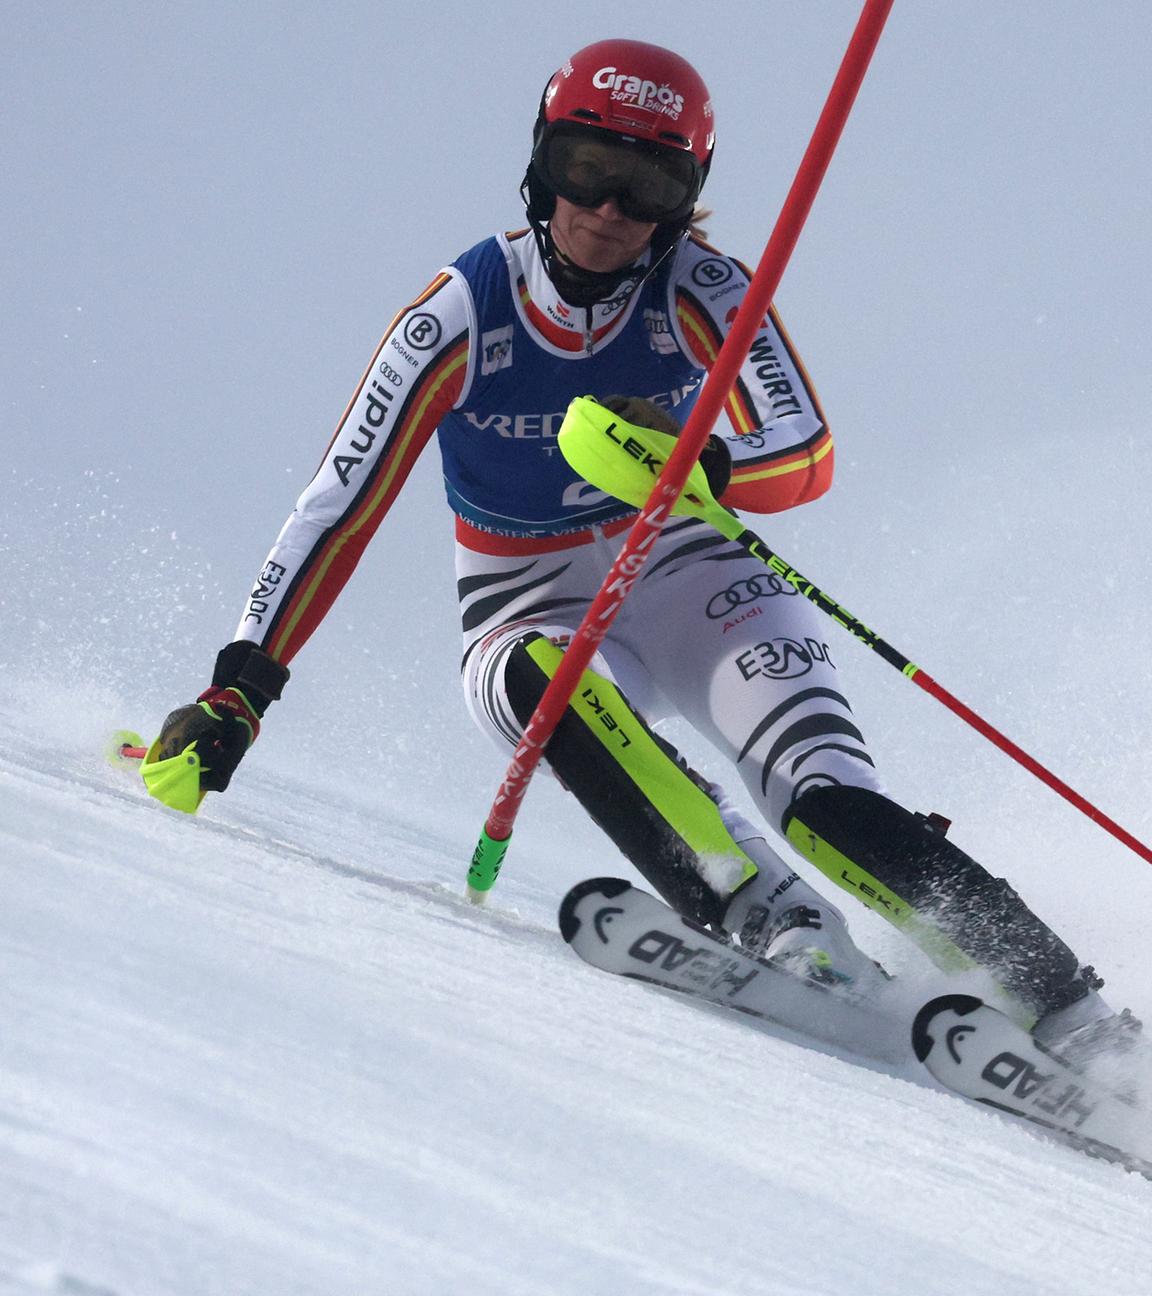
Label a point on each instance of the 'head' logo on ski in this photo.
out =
(603, 918)
(954, 1036)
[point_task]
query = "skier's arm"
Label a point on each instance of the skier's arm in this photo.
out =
(782, 450)
(417, 374)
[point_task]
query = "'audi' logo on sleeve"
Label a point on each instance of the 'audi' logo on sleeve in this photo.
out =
(746, 591)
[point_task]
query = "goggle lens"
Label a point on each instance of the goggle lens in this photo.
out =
(650, 185)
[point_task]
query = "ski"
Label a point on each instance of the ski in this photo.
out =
(619, 928)
(969, 1047)
(975, 1051)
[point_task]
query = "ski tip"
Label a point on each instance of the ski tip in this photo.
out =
(607, 887)
(923, 1040)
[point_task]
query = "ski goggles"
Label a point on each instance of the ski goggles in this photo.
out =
(588, 166)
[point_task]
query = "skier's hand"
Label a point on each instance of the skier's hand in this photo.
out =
(224, 721)
(715, 458)
(635, 409)
(222, 724)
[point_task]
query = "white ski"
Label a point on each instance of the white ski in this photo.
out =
(619, 928)
(978, 1052)
(968, 1046)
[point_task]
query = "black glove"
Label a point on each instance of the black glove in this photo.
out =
(715, 458)
(224, 721)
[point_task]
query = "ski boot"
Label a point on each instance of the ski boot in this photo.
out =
(778, 918)
(903, 867)
(1088, 1030)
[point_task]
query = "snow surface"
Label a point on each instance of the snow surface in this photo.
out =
(271, 1049)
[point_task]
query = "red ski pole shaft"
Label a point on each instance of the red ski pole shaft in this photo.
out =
(493, 843)
(1033, 766)
(730, 527)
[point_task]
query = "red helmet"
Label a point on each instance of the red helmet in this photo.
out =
(634, 89)
(634, 97)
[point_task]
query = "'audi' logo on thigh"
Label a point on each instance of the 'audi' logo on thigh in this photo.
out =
(746, 591)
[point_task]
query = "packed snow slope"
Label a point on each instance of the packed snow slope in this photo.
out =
(271, 1049)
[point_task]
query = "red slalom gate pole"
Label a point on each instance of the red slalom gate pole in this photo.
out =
(493, 844)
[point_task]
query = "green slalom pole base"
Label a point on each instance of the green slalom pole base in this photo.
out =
(485, 867)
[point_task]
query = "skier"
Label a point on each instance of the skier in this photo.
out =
(611, 291)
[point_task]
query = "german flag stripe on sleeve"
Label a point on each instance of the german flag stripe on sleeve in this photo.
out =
(705, 339)
(777, 478)
(801, 372)
(796, 457)
(790, 351)
(428, 293)
(775, 482)
(326, 570)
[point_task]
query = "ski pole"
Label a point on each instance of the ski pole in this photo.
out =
(125, 747)
(173, 780)
(596, 443)
(494, 837)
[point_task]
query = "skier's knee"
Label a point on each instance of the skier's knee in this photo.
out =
(655, 808)
(526, 675)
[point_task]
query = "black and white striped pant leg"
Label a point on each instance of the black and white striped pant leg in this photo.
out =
(504, 599)
(751, 665)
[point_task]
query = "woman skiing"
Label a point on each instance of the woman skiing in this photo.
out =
(610, 292)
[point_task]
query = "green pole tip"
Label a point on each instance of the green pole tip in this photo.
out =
(485, 867)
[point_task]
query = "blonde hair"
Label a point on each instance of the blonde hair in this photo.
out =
(696, 224)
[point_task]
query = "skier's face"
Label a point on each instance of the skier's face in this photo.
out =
(601, 238)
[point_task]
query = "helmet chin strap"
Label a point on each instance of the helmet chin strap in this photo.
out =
(580, 287)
